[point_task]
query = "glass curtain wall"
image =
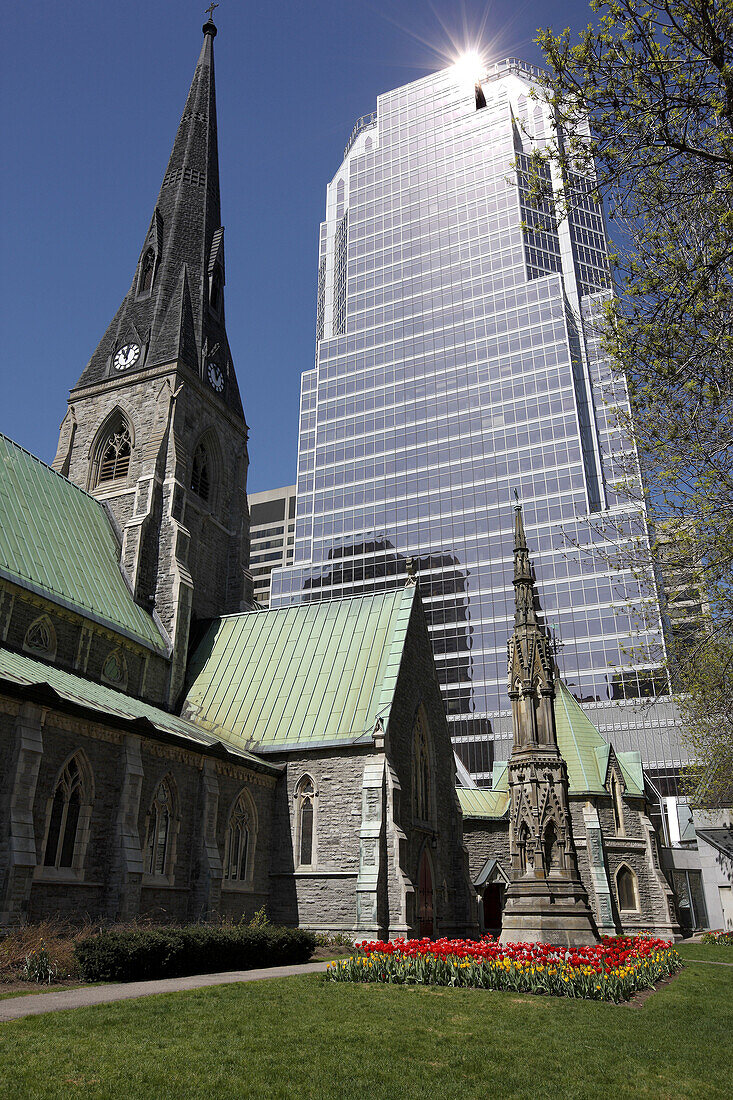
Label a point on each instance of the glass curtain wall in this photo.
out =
(455, 364)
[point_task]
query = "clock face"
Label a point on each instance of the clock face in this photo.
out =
(126, 356)
(216, 378)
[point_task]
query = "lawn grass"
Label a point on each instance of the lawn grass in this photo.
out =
(304, 1037)
(705, 952)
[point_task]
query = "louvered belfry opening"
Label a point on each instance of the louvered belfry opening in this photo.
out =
(114, 460)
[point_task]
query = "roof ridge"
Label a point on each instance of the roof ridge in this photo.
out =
(314, 603)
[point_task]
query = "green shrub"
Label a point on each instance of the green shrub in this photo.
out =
(138, 954)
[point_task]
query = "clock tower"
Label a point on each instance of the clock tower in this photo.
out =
(155, 426)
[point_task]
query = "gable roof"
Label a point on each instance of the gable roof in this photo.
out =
(67, 688)
(314, 674)
(56, 540)
(586, 753)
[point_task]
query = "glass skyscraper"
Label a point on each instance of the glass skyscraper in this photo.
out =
(455, 364)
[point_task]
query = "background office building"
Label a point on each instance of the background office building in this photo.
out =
(272, 530)
(455, 363)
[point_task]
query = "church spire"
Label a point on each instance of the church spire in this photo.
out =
(174, 310)
(546, 900)
(525, 596)
(531, 660)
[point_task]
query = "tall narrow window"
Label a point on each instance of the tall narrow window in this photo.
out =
(306, 821)
(421, 771)
(146, 272)
(626, 888)
(239, 850)
(618, 805)
(200, 478)
(550, 847)
(64, 823)
(522, 842)
(113, 462)
(158, 836)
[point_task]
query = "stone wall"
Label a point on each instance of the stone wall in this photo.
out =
(599, 860)
(121, 772)
(322, 896)
(418, 688)
(367, 841)
(82, 645)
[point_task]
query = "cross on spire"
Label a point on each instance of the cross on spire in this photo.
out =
(210, 11)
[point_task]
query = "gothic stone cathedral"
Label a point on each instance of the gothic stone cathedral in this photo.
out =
(167, 748)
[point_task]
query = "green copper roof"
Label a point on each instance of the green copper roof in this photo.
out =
(57, 540)
(483, 803)
(586, 754)
(314, 674)
(586, 751)
(23, 671)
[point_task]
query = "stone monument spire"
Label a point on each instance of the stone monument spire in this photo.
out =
(546, 900)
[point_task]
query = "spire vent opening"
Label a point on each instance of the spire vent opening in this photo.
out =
(147, 272)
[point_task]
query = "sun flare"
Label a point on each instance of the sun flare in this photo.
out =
(469, 66)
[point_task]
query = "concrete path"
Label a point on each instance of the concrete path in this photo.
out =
(706, 962)
(35, 1004)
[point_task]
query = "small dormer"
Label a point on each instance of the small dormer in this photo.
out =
(147, 272)
(148, 265)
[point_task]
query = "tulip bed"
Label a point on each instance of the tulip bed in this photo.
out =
(612, 970)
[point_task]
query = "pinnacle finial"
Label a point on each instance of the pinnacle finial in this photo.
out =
(410, 568)
(520, 539)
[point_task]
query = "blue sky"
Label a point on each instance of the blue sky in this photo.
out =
(92, 94)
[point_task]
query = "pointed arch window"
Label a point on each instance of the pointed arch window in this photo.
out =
(522, 845)
(201, 472)
(627, 890)
(550, 848)
(114, 453)
(421, 771)
(69, 815)
(160, 830)
(306, 827)
(147, 272)
(240, 841)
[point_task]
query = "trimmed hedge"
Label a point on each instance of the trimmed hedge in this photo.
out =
(138, 954)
